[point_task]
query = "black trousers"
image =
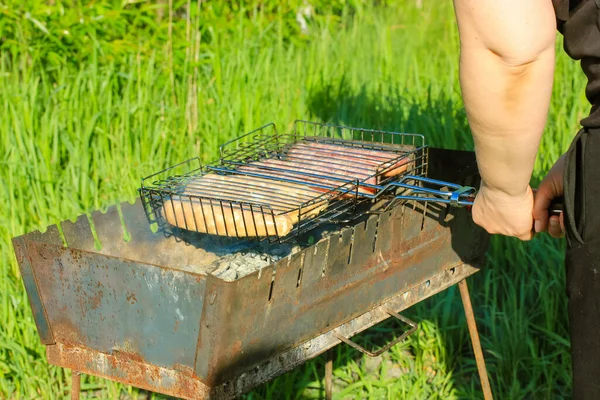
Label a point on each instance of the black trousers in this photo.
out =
(582, 220)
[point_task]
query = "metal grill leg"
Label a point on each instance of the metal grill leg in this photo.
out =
(483, 377)
(329, 376)
(75, 384)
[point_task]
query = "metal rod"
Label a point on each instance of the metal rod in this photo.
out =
(305, 152)
(294, 174)
(318, 125)
(230, 189)
(238, 139)
(75, 384)
(329, 376)
(307, 170)
(174, 166)
(483, 377)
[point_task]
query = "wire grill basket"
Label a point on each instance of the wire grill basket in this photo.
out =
(272, 186)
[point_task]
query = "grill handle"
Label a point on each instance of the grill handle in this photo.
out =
(413, 328)
(456, 195)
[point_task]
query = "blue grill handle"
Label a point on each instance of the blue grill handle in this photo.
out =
(455, 195)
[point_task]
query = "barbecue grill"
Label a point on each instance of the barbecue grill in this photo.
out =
(146, 298)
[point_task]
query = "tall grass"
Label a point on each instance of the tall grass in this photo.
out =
(83, 119)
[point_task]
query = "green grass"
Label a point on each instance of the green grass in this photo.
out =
(83, 120)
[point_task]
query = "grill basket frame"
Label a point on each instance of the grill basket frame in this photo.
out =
(343, 201)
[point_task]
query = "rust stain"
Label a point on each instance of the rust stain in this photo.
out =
(96, 300)
(236, 348)
(130, 369)
(131, 298)
(126, 355)
(66, 332)
(113, 362)
(184, 369)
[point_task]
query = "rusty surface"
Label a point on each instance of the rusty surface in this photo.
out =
(389, 345)
(129, 371)
(329, 376)
(344, 275)
(246, 328)
(119, 307)
(481, 369)
(136, 313)
(33, 294)
(75, 384)
(278, 363)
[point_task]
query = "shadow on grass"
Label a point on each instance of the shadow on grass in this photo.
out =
(437, 116)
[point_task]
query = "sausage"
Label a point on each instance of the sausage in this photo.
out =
(287, 173)
(320, 169)
(280, 195)
(377, 160)
(219, 212)
(340, 166)
(249, 206)
(314, 162)
(359, 156)
(223, 220)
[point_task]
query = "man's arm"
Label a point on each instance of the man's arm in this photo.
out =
(506, 75)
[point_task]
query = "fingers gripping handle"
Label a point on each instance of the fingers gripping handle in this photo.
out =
(556, 206)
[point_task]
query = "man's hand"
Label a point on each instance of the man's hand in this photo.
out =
(550, 188)
(500, 213)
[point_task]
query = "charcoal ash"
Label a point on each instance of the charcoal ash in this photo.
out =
(233, 258)
(237, 265)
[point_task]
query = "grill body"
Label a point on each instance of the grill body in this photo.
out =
(138, 312)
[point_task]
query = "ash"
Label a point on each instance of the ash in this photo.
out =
(231, 259)
(237, 265)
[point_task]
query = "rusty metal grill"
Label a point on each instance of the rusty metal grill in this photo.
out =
(273, 186)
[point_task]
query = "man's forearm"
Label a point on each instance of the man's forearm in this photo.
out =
(506, 74)
(507, 107)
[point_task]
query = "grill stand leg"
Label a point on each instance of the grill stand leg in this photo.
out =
(75, 384)
(483, 376)
(329, 376)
